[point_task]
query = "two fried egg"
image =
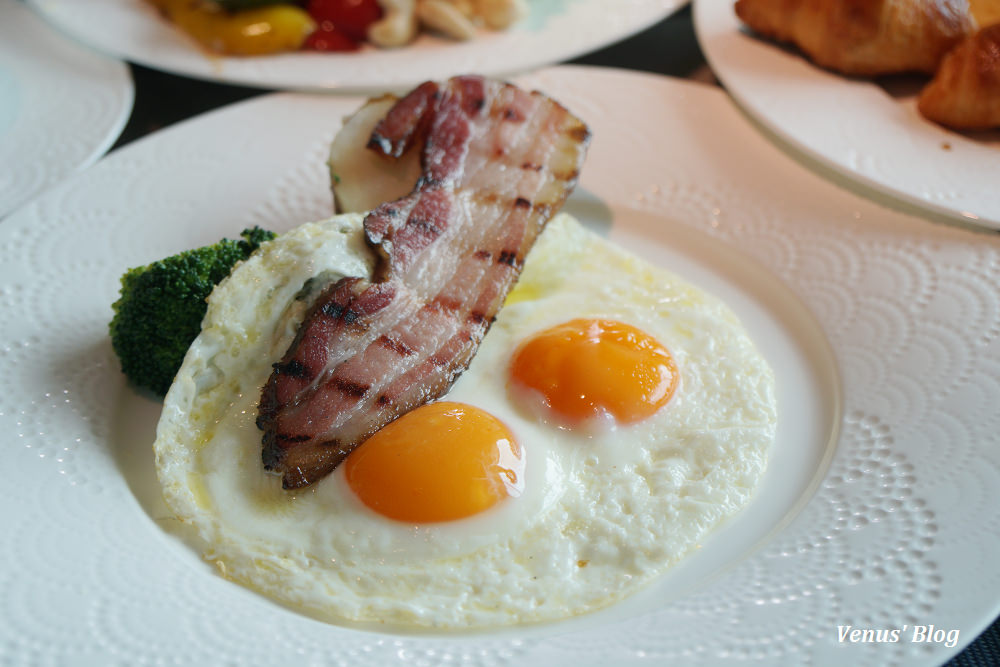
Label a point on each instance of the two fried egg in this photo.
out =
(612, 416)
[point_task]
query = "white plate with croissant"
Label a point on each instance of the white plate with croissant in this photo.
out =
(901, 96)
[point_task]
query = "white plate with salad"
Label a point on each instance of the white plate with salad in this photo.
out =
(551, 31)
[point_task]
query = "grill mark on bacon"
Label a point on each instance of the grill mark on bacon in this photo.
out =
(437, 360)
(293, 368)
(425, 227)
(447, 254)
(508, 257)
(512, 114)
(394, 345)
(335, 311)
(350, 387)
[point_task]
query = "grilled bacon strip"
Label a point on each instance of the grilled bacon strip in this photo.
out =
(497, 162)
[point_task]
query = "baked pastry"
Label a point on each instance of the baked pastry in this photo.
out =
(965, 92)
(986, 12)
(864, 37)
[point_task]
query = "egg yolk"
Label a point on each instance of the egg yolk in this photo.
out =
(439, 462)
(593, 368)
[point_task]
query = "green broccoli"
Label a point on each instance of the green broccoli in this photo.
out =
(160, 309)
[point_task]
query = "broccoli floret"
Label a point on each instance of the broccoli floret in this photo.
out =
(159, 311)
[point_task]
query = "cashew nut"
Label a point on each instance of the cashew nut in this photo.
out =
(398, 25)
(501, 14)
(464, 6)
(445, 18)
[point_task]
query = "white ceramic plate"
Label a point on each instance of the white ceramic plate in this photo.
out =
(872, 134)
(877, 510)
(61, 105)
(556, 30)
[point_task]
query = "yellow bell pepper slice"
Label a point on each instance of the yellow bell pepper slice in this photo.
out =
(249, 32)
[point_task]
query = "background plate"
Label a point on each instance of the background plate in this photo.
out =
(61, 105)
(556, 30)
(881, 514)
(868, 132)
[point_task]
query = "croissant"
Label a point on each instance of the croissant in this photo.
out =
(986, 12)
(864, 37)
(965, 93)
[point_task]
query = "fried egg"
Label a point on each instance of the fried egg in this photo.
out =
(613, 416)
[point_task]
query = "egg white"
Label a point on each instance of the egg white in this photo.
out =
(602, 512)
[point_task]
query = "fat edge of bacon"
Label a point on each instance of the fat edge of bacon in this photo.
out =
(496, 163)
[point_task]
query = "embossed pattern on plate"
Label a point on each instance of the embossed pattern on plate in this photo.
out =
(555, 31)
(896, 531)
(61, 105)
(871, 134)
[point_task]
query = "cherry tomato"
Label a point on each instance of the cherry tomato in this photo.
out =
(350, 18)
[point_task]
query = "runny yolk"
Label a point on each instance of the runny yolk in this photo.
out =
(593, 368)
(439, 462)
